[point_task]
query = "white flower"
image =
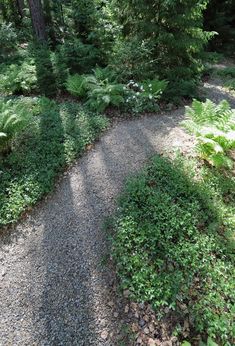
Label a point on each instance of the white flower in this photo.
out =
(150, 96)
(137, 93)
(141, 87)
(150, 85)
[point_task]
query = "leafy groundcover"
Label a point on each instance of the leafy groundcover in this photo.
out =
(173, 244)
(55, 136)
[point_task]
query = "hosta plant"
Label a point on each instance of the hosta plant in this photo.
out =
(104, 95)
(13, 119)
(214, 128)
(96, 90)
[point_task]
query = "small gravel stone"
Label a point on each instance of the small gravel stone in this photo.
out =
(146, 330)
(134, 327)
(126, 293)
(151, 327)
(104, 335)
(141, 322)
(151, 342)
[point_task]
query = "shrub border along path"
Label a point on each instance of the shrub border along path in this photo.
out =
(54, 287)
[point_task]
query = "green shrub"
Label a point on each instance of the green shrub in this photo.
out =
(57, 134)
(170, 244)
(101, 90)
(214, 128)
(230, 84)
(8, 40)
(144, 97)
(131, 59)
(99, 93)
(227, 72)
(19, 78)
(173, 33)
(13, 119)
(212, 57)
(46, 78)
(76, 85)
(104, 95)
(78, 57)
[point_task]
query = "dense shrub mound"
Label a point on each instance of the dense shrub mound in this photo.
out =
(172, 243)
(53, 138)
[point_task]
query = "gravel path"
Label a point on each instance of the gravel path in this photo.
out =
(54, 288)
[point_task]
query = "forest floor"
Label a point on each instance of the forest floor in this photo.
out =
(55, 288)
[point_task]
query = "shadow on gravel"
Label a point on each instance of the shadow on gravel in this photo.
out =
(78, 302)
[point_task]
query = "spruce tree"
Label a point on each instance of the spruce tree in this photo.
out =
(175, 30)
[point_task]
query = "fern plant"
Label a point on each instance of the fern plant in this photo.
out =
(19, 78)
(96, 89)
(75, 85)
(104, 95)
(13, 119)
(214, 128)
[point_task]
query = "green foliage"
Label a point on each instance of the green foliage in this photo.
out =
(18, 77)
(214, 128)
(8, 40)
(44, 70)
(96, 89)
(132, 59)
(104, 95)
(144, 97)
(212, 57)
(56, 135)
(220, 16)
(13, 119)
(76, 85)
(230, 84)
(101, 90)
(173, 30)
(84, 15)
(78, 57)
(227, 72)
(228, 76)
(170, 244)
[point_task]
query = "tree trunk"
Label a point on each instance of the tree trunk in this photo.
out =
(20, 7)
(38, 21)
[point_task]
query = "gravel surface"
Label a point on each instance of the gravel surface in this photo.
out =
(54, 287)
